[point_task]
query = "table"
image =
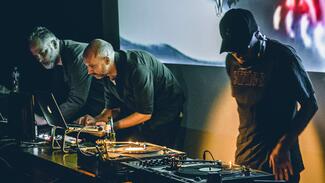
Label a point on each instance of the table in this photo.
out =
(44, 165)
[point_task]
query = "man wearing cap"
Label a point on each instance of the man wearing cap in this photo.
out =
(268, 82)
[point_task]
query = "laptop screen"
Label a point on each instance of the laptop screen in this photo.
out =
(50, 109)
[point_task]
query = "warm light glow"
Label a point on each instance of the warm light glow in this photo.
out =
(134, 149)
(230, 164)
(312, 154)
(222, 128)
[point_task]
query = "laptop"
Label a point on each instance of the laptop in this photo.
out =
(53, 115)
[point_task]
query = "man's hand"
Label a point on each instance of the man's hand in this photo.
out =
(101, 123)
(281, 163)
(87, 120)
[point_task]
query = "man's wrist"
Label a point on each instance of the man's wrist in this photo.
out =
(101, 120)
(286, 141)
(116, 125)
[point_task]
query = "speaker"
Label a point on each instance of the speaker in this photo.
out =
(21, 121)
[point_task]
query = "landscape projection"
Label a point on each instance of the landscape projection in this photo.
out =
(187, 31)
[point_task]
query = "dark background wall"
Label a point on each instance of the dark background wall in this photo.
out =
(79, 20)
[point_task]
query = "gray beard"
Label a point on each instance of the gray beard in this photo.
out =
(49, 66)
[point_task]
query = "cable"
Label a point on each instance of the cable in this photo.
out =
(6, 162)
(8, 144)
(204, 156)
(34, 143)
(77, 142)
(7, 139)
(78, 146)
(99, 151)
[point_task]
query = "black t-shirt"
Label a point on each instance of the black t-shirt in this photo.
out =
(267, 92)
(146, 86)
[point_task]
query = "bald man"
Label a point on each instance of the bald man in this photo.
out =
(136, 82)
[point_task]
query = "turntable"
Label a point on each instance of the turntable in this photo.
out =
(146, 162)
(208, 170)
(113, 155)
(134, 148)
(198, 170)
(190, 171)
(122, 151)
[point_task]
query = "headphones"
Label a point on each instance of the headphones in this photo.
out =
(256, 49)
(257, 44)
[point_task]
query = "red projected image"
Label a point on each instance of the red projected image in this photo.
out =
(303, 19)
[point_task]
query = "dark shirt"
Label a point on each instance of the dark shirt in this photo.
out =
(267, 92)
(146, 86)
(76, 89)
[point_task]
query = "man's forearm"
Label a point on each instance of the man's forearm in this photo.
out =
(132, 120)
(300, 121)
(104, 115)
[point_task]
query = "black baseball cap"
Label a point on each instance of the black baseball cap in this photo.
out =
(237, 27)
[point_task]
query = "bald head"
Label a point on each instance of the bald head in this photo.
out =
(99, 48)
(99, 59)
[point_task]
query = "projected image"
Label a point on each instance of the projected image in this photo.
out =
(303, 20)
(186, 31)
